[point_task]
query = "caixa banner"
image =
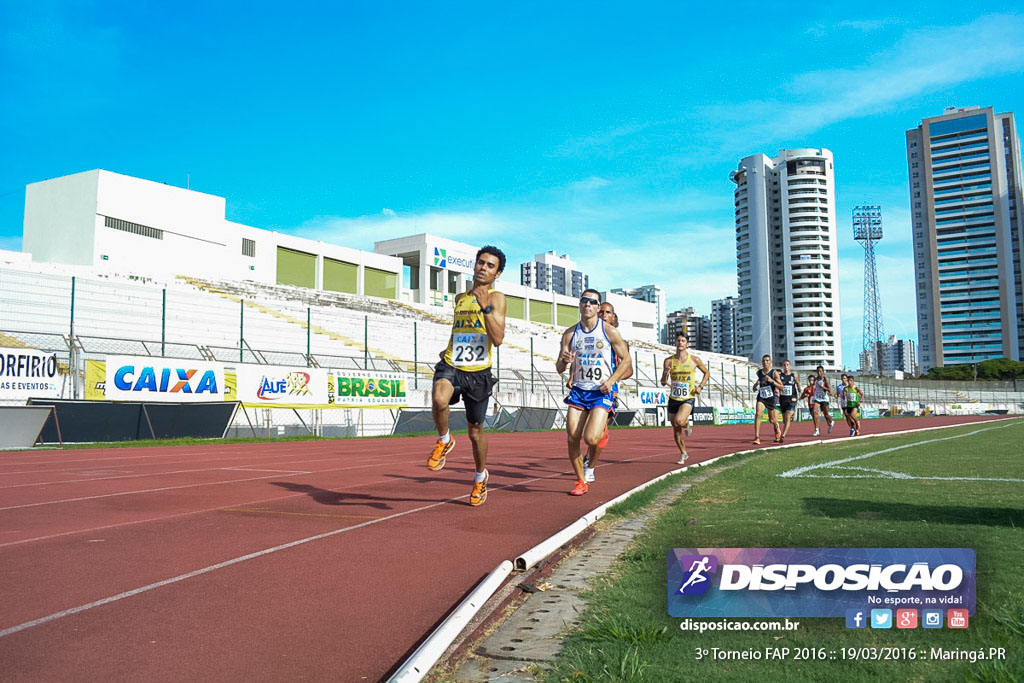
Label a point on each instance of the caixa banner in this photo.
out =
(143, 378)
(816, 582)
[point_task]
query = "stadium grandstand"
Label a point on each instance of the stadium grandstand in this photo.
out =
(81, 314)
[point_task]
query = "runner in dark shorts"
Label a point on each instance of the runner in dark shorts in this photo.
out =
(464, 371)
(788, 396)
(767, 385)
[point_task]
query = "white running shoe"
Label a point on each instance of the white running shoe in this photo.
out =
(816, 433)
(588, 475)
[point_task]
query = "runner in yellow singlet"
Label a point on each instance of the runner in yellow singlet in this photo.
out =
(465, 367)
(678, 373)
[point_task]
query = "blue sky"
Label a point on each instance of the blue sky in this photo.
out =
(600, 130)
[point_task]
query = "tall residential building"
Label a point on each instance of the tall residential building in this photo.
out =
(697, 327)
(554, 273)
(652, 294)
(965, 192)
(787, 259)
(723, 324)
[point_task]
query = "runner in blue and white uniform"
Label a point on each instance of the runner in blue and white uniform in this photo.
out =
(589, 349)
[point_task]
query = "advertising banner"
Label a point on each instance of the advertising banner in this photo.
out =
(96, 382)
(817, 582)
(271, 386)
(652, 398)
(28, 373)
(703, 415)
(366, 389)
(734, 416)
(168, 380)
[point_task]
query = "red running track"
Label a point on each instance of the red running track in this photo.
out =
(325, 560)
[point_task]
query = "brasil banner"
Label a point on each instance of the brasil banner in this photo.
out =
(366, 389)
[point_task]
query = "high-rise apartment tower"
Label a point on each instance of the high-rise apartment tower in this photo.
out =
(965, 191)
(787, 258)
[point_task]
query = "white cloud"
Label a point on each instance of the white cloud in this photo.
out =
(922, 61)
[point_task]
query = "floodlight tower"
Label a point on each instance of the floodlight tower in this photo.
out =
(867, 229)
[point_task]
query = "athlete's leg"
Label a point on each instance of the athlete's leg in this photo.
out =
(757, 420)
(773, 418)
(787, 419)
(813, 407)
(594, 431)
(575, 422)
(679, 422)
(442, 394)
(479, 439)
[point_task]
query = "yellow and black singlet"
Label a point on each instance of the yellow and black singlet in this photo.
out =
(680, 375)
(469, 348)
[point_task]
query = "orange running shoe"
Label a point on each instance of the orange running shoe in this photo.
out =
(604, 439)
(757, 442)
(437, 456)
(479, 494)
(581, 488)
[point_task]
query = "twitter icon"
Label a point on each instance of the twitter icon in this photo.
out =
(881, 618)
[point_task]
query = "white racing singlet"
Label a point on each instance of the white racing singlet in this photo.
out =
(819, 391)
(595, 360)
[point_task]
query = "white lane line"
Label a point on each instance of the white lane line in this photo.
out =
(800, 471)
(265, 469)
(904, 476)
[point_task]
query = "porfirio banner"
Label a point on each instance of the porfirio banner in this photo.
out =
(169, 380)
(817, 582)
(271, 386)
(28, 373)
(366, 389)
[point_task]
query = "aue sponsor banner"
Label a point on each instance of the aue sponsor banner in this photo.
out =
(816, 582)
(170, 380)
(28, 373)
(270, 386)
(366, 389)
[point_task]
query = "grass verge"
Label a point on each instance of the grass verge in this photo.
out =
(626, 634)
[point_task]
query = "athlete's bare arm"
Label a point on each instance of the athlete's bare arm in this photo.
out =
(565, 354)
(620, 349)
(775, 377)
(494, 322)
(703, 380)
(666, 371)
(619, 360)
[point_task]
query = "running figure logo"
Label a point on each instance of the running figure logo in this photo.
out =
(696, 580)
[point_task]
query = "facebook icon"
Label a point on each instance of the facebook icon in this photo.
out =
(855, 618)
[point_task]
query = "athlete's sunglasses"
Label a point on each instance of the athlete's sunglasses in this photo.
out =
(588, 300)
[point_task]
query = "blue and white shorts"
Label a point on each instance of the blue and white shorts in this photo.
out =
(588, 400)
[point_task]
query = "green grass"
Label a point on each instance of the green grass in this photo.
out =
(626, 634)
